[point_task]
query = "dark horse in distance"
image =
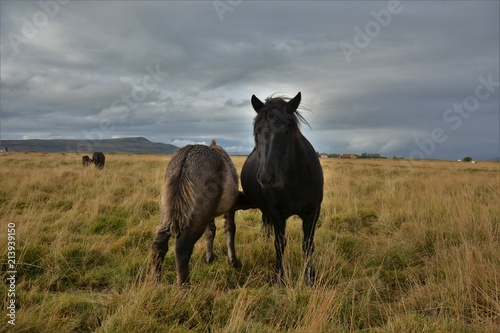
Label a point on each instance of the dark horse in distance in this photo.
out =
(86, 161)
(99, 159)
(200, 183)
(283, 176)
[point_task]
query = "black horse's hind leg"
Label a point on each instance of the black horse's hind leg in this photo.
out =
(158, 251)
(230, 231)
(184, 245)
(308, 226)
(209, 236)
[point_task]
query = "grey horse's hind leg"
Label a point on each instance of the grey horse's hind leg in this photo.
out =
(209, 236)
(230, 230)
(184, 245)
(158, 251)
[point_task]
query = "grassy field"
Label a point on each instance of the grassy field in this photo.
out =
(400, 247)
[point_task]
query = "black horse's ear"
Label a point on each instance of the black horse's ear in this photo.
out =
(257, 104)
(293, 104)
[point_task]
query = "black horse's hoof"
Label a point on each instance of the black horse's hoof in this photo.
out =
(234, 263)
(310, 277)
(210, 259)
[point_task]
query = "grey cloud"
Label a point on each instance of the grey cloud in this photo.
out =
(64, 81)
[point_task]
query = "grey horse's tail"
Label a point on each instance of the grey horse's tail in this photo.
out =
(180, 195)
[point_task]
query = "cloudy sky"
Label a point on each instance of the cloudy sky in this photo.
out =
(411, 79)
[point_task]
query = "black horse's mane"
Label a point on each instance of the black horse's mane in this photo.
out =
(275, 106)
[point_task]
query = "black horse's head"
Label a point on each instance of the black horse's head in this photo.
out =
(275, 131)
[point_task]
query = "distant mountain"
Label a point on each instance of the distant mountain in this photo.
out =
(125, 145)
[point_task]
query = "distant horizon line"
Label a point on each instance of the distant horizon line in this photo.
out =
(241, 153)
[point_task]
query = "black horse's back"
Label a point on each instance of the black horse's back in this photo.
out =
(251, 188)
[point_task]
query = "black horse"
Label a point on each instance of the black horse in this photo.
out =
(283, 176)
(99, 159)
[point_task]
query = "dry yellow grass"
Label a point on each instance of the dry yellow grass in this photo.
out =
(400, 247)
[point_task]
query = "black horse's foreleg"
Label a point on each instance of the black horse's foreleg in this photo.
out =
(230, 231)
(209, 236)
(158, 251)
(308, 227)
(267, 226)
(279, 245)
